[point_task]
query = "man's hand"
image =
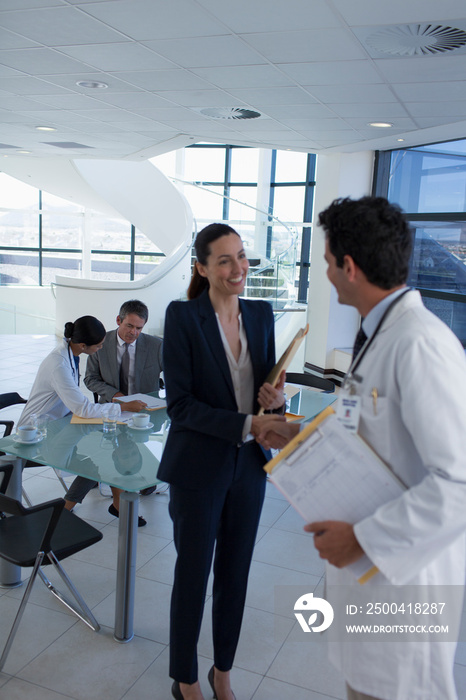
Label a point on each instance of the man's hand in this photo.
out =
(336, 542)
(262, 425)
(132, 406)
(272, 431)
(271, 398)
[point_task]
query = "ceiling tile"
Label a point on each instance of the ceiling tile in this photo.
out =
(201, 98)
(29, 86)
(304, 46)
(298, 111)
(436, 109)
(59, 26)
(246, 16)
(410, 70)
(373, 112)
(146, 19)
(208, 51)
(41, 62)
(273, 96)
(118, 57)
(244, 76)
(332, 72)
(155, 80)
(367, 12)
(28, 4)
(398, 123)
(8, 40)
(69, 81)
(70, 101)
(334, 94)
(133, 100)
(420, 92)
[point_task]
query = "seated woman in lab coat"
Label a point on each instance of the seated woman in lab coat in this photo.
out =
(56, 392)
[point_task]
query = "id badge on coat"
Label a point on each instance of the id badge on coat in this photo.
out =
(349, 404)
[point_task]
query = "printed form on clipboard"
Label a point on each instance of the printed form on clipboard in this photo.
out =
(328, 473)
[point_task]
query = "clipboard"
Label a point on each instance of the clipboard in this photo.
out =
(285, 360)
(327, 473)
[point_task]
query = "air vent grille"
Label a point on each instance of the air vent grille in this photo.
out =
(417, 40)
(230, 113)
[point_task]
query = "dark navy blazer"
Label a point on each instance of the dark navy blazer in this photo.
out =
(205, 423)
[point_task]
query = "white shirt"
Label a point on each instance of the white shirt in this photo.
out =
(55, 390)
(132, 359)
(242, 374)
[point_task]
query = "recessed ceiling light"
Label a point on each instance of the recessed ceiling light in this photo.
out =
(91, 84)
(45, 128)
(400, 139)
(380, 125)
(23, 151)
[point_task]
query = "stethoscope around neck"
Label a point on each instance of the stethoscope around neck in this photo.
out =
(352, 377)
(73, 364)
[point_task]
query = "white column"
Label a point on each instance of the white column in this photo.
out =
(262, 201)
(331, 325)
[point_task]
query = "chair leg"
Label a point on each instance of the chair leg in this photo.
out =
(61, 479)
(19, 614)
(83, 612)
(26, 497)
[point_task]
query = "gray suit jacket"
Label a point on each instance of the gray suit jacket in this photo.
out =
(103, 375)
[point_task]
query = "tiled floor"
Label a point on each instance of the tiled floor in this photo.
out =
(55, 656)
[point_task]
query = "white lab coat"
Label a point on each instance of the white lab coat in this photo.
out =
(55, 390)
(418, 367)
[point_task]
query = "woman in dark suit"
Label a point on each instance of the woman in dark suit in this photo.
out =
(218, 350)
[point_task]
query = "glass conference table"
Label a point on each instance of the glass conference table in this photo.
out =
(128, 460)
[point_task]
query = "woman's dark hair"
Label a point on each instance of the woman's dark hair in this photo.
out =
(86, 329)
(204, 238)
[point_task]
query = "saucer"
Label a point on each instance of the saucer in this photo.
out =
(39, 438)
(136, 427)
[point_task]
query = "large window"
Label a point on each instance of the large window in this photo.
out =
(281, 184)
(42, 236)
(429, 183)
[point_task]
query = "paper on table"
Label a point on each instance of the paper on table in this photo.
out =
(152, 403)
(76, 420)
(329, 474)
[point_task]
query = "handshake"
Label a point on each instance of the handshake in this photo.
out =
(272, 431)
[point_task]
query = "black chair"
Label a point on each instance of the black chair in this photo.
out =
(10, 399)
(40, 535)
(325, 385)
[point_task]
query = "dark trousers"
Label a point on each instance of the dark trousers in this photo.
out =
(224, 515)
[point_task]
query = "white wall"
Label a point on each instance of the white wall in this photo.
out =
(330, 324)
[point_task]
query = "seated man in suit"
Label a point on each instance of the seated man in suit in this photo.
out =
(127, 345)
(129, 362)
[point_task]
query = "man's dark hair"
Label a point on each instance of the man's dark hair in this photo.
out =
(374, 233)
(134, 306)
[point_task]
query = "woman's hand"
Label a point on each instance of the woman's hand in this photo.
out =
(271, 398)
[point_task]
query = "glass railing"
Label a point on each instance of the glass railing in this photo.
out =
(15, 320)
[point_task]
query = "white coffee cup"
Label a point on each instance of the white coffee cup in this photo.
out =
(141, 420)
(28, 433)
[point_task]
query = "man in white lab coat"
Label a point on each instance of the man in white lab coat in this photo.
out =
(410, 374)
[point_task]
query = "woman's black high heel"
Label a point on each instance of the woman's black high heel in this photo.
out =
(176, 692)
(210, 678)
